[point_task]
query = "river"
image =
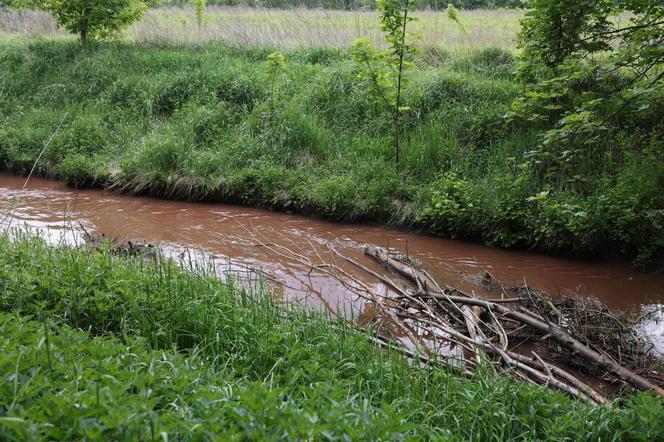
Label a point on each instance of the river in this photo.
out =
(250, 244)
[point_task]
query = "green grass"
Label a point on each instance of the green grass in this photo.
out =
(201, 122)
(97, 347)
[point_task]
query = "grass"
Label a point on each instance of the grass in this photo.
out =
(288, 28)
(203, 122)
(100, 347)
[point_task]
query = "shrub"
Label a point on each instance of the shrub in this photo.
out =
(452, 209)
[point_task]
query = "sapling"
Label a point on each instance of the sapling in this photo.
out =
(384, 71)
(453, 14)
(276, 63)
(199, 12)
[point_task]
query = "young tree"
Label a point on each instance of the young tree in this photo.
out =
(90, 18)
(384, 71)
(199, 12)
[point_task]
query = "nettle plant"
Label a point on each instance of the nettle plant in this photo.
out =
(384, 71)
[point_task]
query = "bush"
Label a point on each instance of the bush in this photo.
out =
(452, 209)
(83, 171)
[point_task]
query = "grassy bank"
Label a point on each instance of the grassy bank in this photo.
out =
(211, 122)
(99, 347)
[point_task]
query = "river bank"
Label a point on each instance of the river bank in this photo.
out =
(167, 352)
(201, 122)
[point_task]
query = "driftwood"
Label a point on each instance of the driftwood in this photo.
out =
(428, 289)
(425, 283)
(96, 241)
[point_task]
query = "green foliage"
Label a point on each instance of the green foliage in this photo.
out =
(452, 206)
(375, 74)
(204, 123)
(199, 12)
(357, 4)
(453, 14)
(384, 71)
(594, 78)
(90, 19)
(553, 30)
(97, 347)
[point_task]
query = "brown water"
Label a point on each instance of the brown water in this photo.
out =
(233, 236)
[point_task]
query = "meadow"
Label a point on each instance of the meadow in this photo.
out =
(288, 28)
(99, 347)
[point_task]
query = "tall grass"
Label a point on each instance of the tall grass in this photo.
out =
(287, 28)
(200, 122)
(98, 347)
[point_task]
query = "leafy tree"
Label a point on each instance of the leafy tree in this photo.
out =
(594, 68)
(554, 29)
(384, 71)
(90, 18)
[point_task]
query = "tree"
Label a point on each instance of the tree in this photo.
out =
(384, 71)
(554, 29)
(593, 67)
(90, 18)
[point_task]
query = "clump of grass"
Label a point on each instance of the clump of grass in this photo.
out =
(98, 346)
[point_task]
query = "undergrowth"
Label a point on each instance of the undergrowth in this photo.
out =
(208, 122)
(99, 347)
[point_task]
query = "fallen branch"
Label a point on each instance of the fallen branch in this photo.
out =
(602, 361)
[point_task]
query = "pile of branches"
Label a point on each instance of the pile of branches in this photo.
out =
(593, 324)
(528, 335)
(99, 241)
(572, 344)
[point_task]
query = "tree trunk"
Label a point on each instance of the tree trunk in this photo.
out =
(84, 37)
(84, 26)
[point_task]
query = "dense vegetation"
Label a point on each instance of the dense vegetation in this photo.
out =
(215, 122)
(98, 347)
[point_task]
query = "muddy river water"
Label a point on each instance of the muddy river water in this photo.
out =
(249, 242)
